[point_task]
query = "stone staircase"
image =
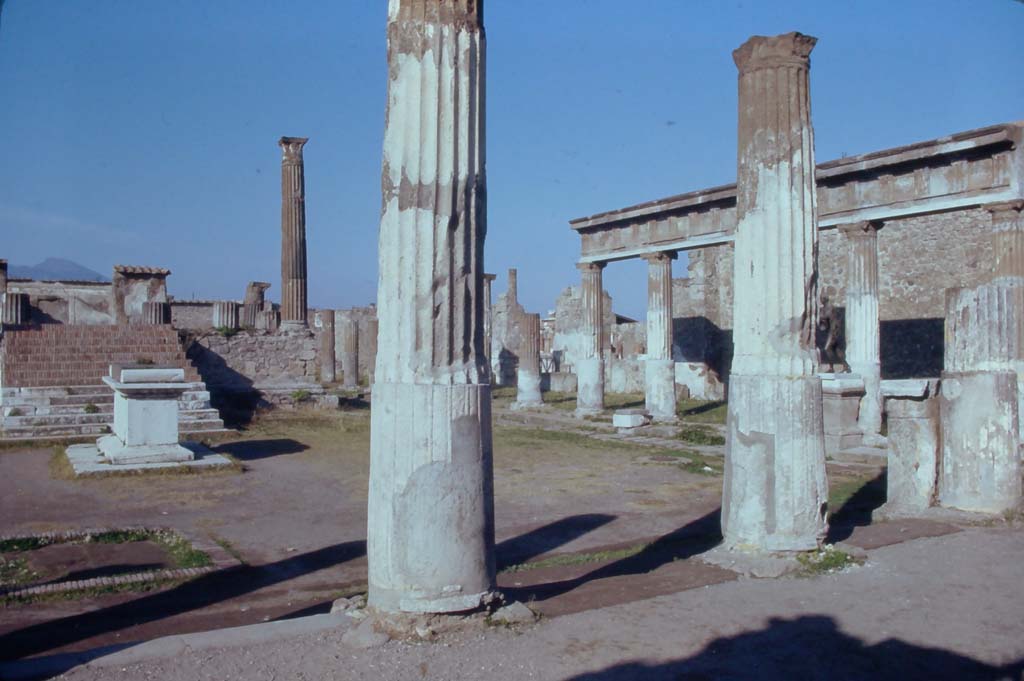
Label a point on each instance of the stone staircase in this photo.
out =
(51, 386)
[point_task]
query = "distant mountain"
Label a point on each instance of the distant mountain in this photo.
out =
(55, 268)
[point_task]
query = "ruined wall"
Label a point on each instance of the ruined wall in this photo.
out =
(194, 315)
(66, 302)
(366, 343)
(505, 339)
(252, 360)
(568, 318)
(919, 258)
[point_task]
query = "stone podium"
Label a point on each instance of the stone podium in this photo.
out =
(145, 416)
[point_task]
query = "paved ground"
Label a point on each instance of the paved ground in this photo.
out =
(934, 608)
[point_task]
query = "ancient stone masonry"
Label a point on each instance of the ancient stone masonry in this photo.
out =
(590, 364)
(775, 489)
(293, 234)
(912, 413)
(980, 398)
(132, 287)
(254, 303)
(155, 313)
(430, 539)
(862, 337)
(15, 310)
(327, 367)
(660, 370)
(528, 393)
(347, 330)
(225, 315)
(505, 333)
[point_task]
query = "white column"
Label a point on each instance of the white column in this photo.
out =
(430, 536)
(862, 338)
(590, 365)
(660, 369)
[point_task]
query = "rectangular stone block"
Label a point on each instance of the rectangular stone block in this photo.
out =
(630, 418)
(912, 472)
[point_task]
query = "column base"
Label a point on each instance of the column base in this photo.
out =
(430, 530)
(775, 492)
(291, 327)
(120, 454)
(912, 470)
(981, 465)
(528, 393)
(660, 389)
(589, 386)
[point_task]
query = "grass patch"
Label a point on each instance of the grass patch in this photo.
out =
(300, 396)
(569, 559)
(227, 331)
(825, 561)
(229, 547)
(698, 465)
(14, 571)
(842, 490)
(700, 435)
(529, 437)
(91, 592)
(180, 551)
(703, 411)
(91, 409)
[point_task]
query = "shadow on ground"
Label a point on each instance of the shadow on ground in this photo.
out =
(691, 539)
(810, 647)
(251, 450)
(856, 512)
(547, 538)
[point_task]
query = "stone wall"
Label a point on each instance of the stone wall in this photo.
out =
(193, 315)
(255, 360)
(66, 302)
(568, 318)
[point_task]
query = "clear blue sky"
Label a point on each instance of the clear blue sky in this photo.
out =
(144, 131)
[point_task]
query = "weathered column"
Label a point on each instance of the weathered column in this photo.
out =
(347, 329)
(225, 315)
(255, 297)
(488, 336)
(16, 309)
(369, 345)
(293, 234)
(590, 365)
(912, 469)
(660, 369)
(775, 491)
(513, 287)
(156, 313)
(430, 540)
(528, 393)
(862, 344)
(327, 369)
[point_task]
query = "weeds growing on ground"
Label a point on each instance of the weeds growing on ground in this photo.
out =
(700, 435)
(825, 561)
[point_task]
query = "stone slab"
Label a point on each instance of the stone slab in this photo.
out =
(910, 387)
(630, 418)
(87, 460)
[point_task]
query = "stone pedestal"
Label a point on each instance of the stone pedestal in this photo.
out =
(430, 535)
(660, 372)
(842, 396)
(775, 491)
(590, 365)
(862, 335)
(293, 233)
(225, 315)
(348, 348)
(145, 416)
(528, 392)
(912, 471)
(981, 458)
(327, 372)
(16, 310)
(156, 313)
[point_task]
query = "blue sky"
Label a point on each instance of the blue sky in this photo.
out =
(144, 131)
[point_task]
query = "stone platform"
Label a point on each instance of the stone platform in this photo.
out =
(86, 460)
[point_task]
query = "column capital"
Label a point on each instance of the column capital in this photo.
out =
(763, 52)
(861, 228)
(660, 256)
(292, 148)
(1005, 210)
(590, 266)
(490, 277)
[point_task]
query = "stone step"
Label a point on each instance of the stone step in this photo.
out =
(199, 421)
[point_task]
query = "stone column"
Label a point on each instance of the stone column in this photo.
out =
(370, 349)
(488, 281)
(912, 469)
(225, 315)
(512, 296)
(528, 392)
(590, 365)
(156, 313)
(255, 296)
(293, 234)
(16, 309)
(775, 491)
(3, 286)
(430, 540)
(862, 344)
(327, 369)
(660, 368)
(348, 351)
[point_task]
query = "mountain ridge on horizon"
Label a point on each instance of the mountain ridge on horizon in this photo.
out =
(55, 269)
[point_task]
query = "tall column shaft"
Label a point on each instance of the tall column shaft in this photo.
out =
(528, 391)
(1008, 242)
(862, 336)
(775, 491)
(293, 232)
(328, 373)
(347, 330)
(660, 369)
(430, 540)
(590, 365)
(488, 318)
(513, 286)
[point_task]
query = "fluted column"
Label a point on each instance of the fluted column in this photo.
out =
(293, 234)
(225, 315)
(862, 338)
(16, 309)
(775, 491)
(660, 369)
(590, 365)
(528, 391)
(430, 540)
(155, 313)
(488, 333)
(1008, 241)
(328, 373)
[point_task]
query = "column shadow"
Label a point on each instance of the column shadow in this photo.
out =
(856, 512)
(810, 647)
(547, 538)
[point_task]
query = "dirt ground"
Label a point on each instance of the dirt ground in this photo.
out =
(624, 520)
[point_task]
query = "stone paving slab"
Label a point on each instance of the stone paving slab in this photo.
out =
(86, 460)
